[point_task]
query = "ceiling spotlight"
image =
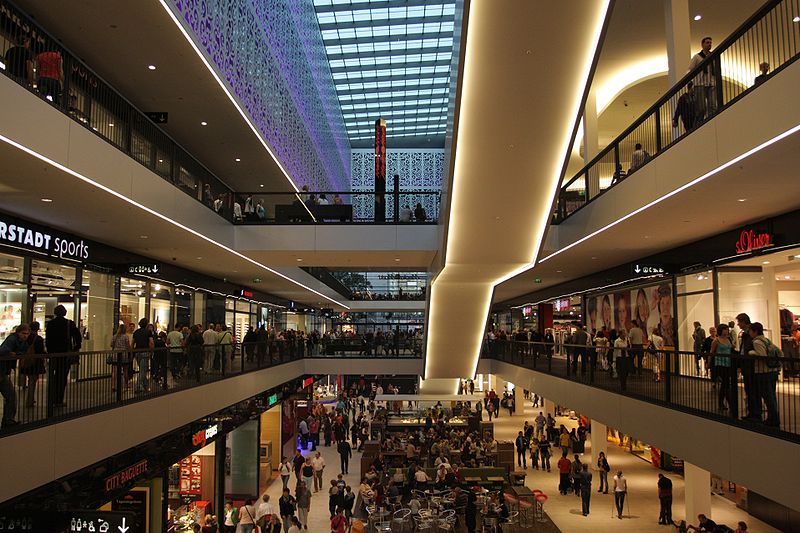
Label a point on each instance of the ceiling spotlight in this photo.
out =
(199, 258)
(143, 237)
(204, 123)
(237, 159)
(787, 277)
(742, 200)
(151, 67)
(160, 160)
(764, 262)
(262, 185)
(299, 260)
(47, 200)
(796, 19)
(396, 259)
(698, 17)
(110, 124)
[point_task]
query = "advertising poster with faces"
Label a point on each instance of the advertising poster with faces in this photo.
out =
(650, 306)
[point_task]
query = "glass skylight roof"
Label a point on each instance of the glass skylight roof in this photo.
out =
(390, 59)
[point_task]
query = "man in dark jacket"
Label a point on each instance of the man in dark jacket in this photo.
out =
(14, 344)
(345, 453)
(61, 337)
(748, 370)
(686, 109)
(665, 498)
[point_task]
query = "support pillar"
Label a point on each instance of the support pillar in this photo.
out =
(590, 142)
(519, 400)
(549, 408)
(697, 492)
(599, 441)
(679, 38)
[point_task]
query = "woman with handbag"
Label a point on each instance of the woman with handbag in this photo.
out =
(247, 512)
(32, 364)
(120, 360)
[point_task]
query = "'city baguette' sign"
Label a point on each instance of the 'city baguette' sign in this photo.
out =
(750, 241)
(119, 479)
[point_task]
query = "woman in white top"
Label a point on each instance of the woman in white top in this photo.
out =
(295, 527)
(286, 471)
(621, 356)
(656, 345)
(247, 514)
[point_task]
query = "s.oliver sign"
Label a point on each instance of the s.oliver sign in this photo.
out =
(32, 237)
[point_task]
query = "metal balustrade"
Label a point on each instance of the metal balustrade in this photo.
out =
(729, 72)
(738, 395)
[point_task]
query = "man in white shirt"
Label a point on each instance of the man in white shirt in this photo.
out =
(265, 509)
(620, 490)
(636, 340)
(210, 341)
(638, 158)
(705, 83)
(175, 343)
(319, 465)
(405, 214)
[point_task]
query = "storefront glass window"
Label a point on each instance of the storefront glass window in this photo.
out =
(199, 308)
(230, 304)
(12, 268)
(242, 306)
(52, 285)
(132, 301)
(97, 310)
(691, 308)
(160, 306)
(702, 281)
(183, 307)
(745, 292)
(12, 307)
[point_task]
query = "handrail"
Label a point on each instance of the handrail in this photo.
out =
(51, 388)
(730, 390)
(739, 54)
(89, 100)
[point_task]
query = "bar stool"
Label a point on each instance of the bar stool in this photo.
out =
(540, 500)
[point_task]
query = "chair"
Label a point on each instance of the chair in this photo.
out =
(401, 521)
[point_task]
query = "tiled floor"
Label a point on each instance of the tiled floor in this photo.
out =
(642, 505)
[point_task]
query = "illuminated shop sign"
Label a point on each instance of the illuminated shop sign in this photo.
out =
(201, 437)
(561, 305)
(750, 241)
(245, 293)
(272, 400)
(307, 382)
(119, 479)
(32, 237)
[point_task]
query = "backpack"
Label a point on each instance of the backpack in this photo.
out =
(774, 355)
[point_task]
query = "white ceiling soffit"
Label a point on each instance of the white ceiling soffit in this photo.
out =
(526, 67)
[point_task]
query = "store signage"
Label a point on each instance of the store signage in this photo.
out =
(144, 268)
(36, 238)
(201, 437)
(307, 382)
(561, 305)
(118, 479)
(648, 269)
(245, 293)
(191, 476)
(750, 241)
(159, 117)
(527, 311)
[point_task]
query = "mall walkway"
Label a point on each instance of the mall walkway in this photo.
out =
(565, 511)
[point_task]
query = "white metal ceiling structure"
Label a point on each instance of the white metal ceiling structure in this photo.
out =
(390, 59)
(525, 71)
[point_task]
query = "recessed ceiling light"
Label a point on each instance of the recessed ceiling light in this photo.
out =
(796, 19)
(764, 262)
(742, 200)
(396, 259)
(160, 160)
(698, 17)
(298, 259)
(47, 200)
(204, 123)
(199, 258)
(262, 185)
(787, 277)
(558, 271)
(143, 237)
(151, 67)
(110, 124)
(237, 159)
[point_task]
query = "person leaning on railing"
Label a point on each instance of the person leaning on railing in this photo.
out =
(14, 344)
(766, 377)
(122, 368)
(32, 365)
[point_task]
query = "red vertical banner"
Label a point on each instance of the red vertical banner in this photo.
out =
(380, 150)
(545, 315)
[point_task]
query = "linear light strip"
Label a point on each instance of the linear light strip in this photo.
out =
(455, 192)
(241, 111)
(165, 218)
(672, 193)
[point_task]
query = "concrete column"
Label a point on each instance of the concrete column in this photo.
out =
(519, 401)
(679, 38)
(697, 493)
(549, 407)
(590, 143)
(599, 441)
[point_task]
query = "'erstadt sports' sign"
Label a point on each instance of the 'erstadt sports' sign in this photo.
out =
(32, 237)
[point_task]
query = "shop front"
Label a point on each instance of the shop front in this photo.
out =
(100, 287)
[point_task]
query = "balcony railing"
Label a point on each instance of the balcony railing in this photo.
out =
(746, 393)
(344, 207)
(732, 70)
(36, 60)
(52, 388)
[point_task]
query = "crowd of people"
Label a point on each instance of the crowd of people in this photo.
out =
(730, 351)
(400, 295)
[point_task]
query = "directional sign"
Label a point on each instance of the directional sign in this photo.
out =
(144, 268)
(159, 117)
(69, 522)
(641, 269)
